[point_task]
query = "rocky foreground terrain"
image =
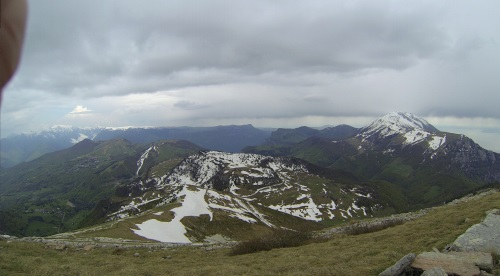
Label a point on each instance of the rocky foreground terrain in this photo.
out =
(472, 253)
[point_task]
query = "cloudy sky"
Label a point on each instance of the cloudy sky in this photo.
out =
(269, 63)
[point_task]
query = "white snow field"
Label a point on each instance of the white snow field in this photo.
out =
(174, 231)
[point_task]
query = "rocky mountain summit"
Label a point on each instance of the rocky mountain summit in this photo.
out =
(400, 133)
(427, 165)
(413, 128)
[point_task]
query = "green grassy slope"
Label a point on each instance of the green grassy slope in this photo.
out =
(56, 192)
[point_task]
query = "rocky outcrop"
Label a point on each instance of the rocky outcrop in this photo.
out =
(480, 259)
(483, 237)
(453, 264)
(473, 160)
(437, 263)
(436, 271)
(470, 254)
(399, 267)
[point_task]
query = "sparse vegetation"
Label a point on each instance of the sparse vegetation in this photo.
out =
(276, 239)
(119, 251)
(496, 260)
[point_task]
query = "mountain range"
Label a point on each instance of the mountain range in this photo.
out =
(431, 166)
(295, 179)
(28, 146)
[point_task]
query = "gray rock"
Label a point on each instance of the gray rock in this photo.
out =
(137, 254)
(436, 271)
(454, 265)
(483, 237)
(482, 260)
(493, 211)
(484, 273)
(449, 247)
(399, 266)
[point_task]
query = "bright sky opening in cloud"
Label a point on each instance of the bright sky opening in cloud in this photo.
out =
(267, 63)
(80, 109)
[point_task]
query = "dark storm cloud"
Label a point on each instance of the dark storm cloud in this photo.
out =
(97, 48)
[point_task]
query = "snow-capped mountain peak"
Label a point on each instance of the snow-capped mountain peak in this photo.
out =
(397, 123)
(407, 128)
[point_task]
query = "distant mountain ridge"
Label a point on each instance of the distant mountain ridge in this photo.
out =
(231, 138)
(28, 146)
(283, 136)
(288, 142)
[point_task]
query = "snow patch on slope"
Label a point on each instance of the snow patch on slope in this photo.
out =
(200, 169)
(234, 209)
(306, 210)
(415, 136)
(436, 142)
(144, 155)
(174, 231)
(252, 182)
(79, 139)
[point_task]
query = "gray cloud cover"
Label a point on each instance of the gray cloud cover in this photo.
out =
(97, 48)
(262, 62)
